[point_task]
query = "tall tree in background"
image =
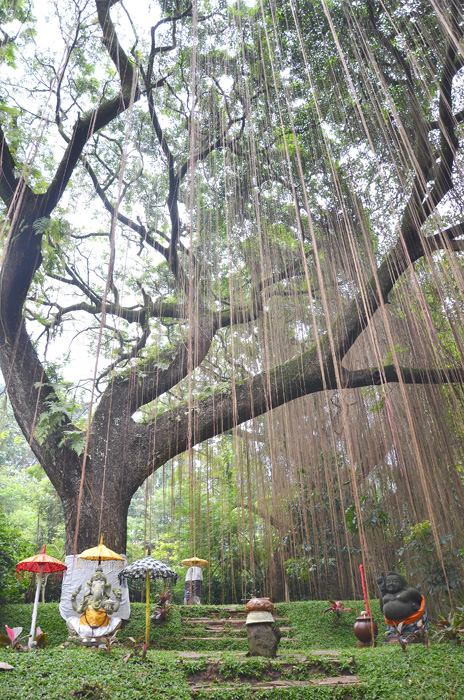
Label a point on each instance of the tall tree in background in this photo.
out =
(212, 143)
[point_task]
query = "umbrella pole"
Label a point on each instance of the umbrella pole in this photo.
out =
(147, 612)
(30, 643)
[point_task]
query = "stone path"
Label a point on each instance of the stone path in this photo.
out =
(224, 629)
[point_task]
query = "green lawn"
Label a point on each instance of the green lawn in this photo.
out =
(420, 673)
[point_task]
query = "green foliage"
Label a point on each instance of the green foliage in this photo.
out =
(163, 636)
(315, 630)
(94, 675)
(13, 548)
(12, 639)
(318, 554)
(373, 515)
(421, 674)
(32, 506)
(451, 627)
(58, 411)
(392, 354)
(424, 559)
(385, 672)
(216, 512)
(48, 618)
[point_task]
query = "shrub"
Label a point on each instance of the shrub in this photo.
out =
(13, 548)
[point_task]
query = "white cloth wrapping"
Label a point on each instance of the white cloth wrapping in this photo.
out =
(194, 573)
(74, 577)
(86, 631)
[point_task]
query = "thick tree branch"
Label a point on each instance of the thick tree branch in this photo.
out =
(163, 49)
(407, 375)
(268, 390)
(99, 117)
(154, 376)
(449, 141)
(221, 141)
(8, 180)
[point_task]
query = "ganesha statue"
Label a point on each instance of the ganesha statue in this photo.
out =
(95, 610)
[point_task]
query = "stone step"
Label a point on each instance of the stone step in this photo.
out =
(211, 639)
(284, 659)
(231, 612)
(331, 681)
(222, 620)
(282, 662)
(218, 622)
(223, 630)
(215, 639)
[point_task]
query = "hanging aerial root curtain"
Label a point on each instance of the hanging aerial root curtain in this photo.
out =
(150, 569)
(353, 455)
(39, 564)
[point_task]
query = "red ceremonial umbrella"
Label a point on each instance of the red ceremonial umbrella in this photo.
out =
(39, 564)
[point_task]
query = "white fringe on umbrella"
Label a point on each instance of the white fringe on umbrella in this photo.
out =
(91, 565)
(155, 568)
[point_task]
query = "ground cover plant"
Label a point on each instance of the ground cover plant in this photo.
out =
(54, 673)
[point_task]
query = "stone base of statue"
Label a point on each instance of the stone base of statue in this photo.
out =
(263, 637)
(91, 635)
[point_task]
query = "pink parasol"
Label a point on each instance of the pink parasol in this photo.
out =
(39, 564)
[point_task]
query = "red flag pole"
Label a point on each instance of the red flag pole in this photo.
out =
(363, 580)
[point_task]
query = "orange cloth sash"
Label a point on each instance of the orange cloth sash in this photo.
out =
(412, 618)
(94, 618)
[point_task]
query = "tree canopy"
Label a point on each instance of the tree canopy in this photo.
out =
(232, 206)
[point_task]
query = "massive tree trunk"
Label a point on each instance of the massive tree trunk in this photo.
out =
(103, 511)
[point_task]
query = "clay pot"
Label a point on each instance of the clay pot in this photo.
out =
(260, 605)
(365, 630)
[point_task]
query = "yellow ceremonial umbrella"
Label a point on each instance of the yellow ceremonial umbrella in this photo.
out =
(195, 561)
(100, 553)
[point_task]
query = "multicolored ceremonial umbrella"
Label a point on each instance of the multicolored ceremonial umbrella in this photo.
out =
(150, 569)
(100, 553)
(39, 564)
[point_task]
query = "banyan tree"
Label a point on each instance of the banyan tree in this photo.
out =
(216, 211)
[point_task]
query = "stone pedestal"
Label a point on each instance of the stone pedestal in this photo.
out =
(263, 639)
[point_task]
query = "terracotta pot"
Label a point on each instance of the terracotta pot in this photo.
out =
(260, 605)
(365, 630)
